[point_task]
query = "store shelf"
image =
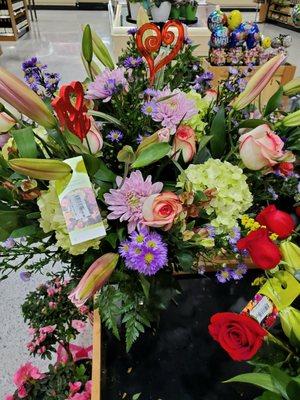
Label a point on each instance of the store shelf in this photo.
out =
(14, 21)
(280, 13)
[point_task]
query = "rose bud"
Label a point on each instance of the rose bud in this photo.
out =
(185, 141)
(239, 335)
(276, 221)
(160, 210)
(263, 252)
(286, 168)
(260, 148)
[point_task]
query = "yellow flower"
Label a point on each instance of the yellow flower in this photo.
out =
(273, 236)
(52, 219)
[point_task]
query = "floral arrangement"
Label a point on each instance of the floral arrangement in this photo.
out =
(176, 177)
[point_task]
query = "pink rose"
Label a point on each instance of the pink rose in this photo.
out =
(160, 210)
(78, 325)
(260, 148)
(185, 141)
(163, 135)
(93, 139)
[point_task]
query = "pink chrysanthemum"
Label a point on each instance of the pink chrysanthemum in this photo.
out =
(108, 83)
(126, 202)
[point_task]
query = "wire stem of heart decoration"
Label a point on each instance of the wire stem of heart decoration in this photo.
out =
(153, 43)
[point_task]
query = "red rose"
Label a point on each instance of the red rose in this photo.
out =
(286, 168)
(238, 334)
(276, 221)
(264, 253)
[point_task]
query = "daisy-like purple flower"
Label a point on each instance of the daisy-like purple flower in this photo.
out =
(223, 275)
(238, 272)
(145, 252)
(133, 62)
(150, 92)
(115, 135)
(149, 107)
(108, 83)
(126, 202)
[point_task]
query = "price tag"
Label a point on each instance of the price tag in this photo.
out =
(79, 204)
(262, 309)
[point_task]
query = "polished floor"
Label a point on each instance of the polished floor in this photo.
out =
(55, 39)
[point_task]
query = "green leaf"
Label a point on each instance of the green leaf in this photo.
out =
(185, 260)
(218, 133)
(256, 378)
(269, 396)
(252, 123)
(33, 215)
(106, 117)
(136, 396)
(25, 142)
(112, 239)
(92, 164)
(202, 156)
(73, 140)
(293, 390)
(145, 285)
(6, 195)
(274, 101)
(203, 141)
(151, 154)
(104, 173)
(87, 44)
(58, 138)
(28, 230)
(280, 380)
(11, 220)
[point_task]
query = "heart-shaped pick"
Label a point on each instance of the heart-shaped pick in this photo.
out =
(152, 43)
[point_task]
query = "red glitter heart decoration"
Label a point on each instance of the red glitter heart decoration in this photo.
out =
(153, 43)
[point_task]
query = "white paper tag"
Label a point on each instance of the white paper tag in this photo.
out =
(262, 309)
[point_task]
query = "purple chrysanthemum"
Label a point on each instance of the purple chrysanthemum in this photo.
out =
(107, 84)
(150, 92)
(145, 252)
(133, 62)
(115, 135)
(238, 272)
(223, 275)
(172, 108)
(126, 202)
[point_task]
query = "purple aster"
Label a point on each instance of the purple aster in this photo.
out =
(229, 86)
(133, 62)
(207, 76)
(174, 109)
(32, 63)
(242, 84)
(147, 253)
(132, 31)
(238, 272)
(9, 243)
(233, 71)
(126, 202)
(25, 276)
(211, 231)
(223, 275)
(188, 40)
(150, 92)
(115, 135)
(149, 107)
(107, 84)
(51, 81)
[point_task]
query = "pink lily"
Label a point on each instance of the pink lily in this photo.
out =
(94, 278)
(258, 82)
(25, 100)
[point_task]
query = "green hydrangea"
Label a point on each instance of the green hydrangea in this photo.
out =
(196, 121)
(52, 219)
(233, 196)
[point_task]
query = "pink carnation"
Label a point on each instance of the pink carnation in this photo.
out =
(78, 325)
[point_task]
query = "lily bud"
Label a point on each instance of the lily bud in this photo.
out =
(46, 169)
(25, 100)
(292, 119)
(6, 122)
(290, 322)
(94, 278)
(258, 82)
(146, 142)
(291, 255)
(292, 87)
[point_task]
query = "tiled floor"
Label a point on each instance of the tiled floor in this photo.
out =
(55, 39)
